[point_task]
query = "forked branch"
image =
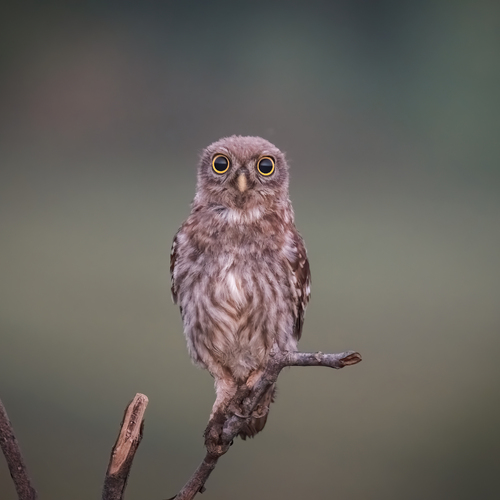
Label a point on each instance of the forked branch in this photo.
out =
(220, 432)
(223, 428)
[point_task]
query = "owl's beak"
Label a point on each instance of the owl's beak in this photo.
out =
(242, 182)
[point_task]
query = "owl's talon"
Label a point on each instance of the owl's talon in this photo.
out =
(239, 415)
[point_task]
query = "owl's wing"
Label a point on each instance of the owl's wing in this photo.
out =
(302, 274)
(173, 258)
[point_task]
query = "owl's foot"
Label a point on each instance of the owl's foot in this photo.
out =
(213, 434)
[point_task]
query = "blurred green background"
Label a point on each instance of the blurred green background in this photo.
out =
(390, 115)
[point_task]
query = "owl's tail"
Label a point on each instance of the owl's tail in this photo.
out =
(259, 416)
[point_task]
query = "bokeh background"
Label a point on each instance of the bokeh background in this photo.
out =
(389, 114)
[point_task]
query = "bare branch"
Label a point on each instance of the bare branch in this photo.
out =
(124, 449)
(196, 483)
(15, 462)
(336, 361)
(224, 427)
(219, 434)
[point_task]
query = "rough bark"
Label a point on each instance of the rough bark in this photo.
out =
(14, 458)
(124, 449)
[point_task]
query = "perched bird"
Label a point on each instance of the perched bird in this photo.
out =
(239, 268)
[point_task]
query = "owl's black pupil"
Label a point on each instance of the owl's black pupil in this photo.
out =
(265, 166)
(220, 163)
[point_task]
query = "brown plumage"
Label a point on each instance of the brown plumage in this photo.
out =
(239, 268)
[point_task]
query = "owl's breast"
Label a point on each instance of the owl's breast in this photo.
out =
(236, 302)
(231, 288)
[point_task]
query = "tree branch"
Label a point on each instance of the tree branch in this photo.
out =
(224, 427)
(124, 449)
(336, 361)
(15, 462)
(219, 434)
(196, 483)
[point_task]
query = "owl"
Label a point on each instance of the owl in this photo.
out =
(239, 268)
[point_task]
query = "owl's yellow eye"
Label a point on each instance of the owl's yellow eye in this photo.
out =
(220, 164)
(266, 165)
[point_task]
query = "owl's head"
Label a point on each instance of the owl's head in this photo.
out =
(242, 173)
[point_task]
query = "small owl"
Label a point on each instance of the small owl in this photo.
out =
(239, 268)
